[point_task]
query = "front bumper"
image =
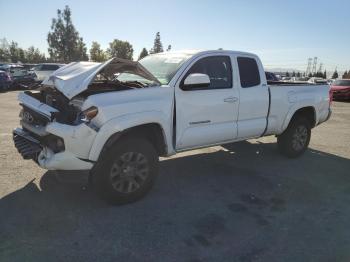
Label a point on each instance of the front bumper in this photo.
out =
(53, 145)
(27, 146)
(62, 161)
(31, 148)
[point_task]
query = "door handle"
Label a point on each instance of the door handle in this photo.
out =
(231, 99)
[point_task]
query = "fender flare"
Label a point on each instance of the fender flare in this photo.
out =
(121, 123)
(294, 109)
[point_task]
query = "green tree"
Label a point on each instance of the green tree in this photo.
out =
(293, 74)
(13, 52)
(143, 53)
(169, 48)
(96, 53)
(22, 55)
(325, 74)
(310, 74)
(121, 49)
(65, 44)
(335, 74)
(81, 51)
(4, 50)
(287, 74)
(298, 74)
(4, 55)
(157, 46)
(319, 74)
(34, 55)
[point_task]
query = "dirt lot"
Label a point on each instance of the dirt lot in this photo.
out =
(242, 202)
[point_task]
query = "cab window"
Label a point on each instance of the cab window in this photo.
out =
(218, 68)
(248, 72)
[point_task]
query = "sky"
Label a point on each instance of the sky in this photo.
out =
(283, 33)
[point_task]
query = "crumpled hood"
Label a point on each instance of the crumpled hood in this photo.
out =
(75, 77)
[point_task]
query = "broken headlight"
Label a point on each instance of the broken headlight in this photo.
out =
(88, 114)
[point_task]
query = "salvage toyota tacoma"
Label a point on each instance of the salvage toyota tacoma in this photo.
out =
(116, 118)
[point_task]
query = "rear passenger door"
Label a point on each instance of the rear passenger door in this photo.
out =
(207, 115)
(254, 98)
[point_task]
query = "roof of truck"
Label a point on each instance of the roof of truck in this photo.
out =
(204, 51)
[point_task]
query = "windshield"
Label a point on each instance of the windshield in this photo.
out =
(164, 66)
(341, 83)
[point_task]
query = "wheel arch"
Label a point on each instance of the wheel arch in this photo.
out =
(308, 112)
(153, 132)
(147, 125)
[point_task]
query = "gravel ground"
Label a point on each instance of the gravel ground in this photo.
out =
(242, 202)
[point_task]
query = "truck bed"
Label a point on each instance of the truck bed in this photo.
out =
(281, 83)
(292, 96)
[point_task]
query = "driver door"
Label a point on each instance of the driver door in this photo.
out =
(207, 115)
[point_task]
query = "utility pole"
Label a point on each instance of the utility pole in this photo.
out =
(314, 65)
(320, 68)
(308, 69)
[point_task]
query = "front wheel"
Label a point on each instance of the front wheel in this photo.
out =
(295, 139)
(127, 171)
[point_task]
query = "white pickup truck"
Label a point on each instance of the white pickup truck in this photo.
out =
(116, 118)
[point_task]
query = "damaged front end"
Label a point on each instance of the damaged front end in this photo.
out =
(57, 130)
(53, 130)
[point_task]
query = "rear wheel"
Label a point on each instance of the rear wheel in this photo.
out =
(295, 139)
(127, 171)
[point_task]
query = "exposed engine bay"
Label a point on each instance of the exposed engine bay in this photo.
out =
(69, 109)
(68, 87)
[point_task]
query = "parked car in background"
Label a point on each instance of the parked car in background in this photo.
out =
(341, 89)
(5, 80)
(317, 80)
(330, 81)
(299, 80)
(41, 71)
(286, 79)
(20, 76)
(271, 77)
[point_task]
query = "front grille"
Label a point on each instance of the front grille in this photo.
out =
(27, 146)
(32, 117)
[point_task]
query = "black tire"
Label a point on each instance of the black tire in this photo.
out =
(295, 139)
(126, 172)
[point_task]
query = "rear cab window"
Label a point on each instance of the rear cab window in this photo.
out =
(249, 73)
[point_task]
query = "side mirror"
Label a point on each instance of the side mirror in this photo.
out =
(196, 80)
